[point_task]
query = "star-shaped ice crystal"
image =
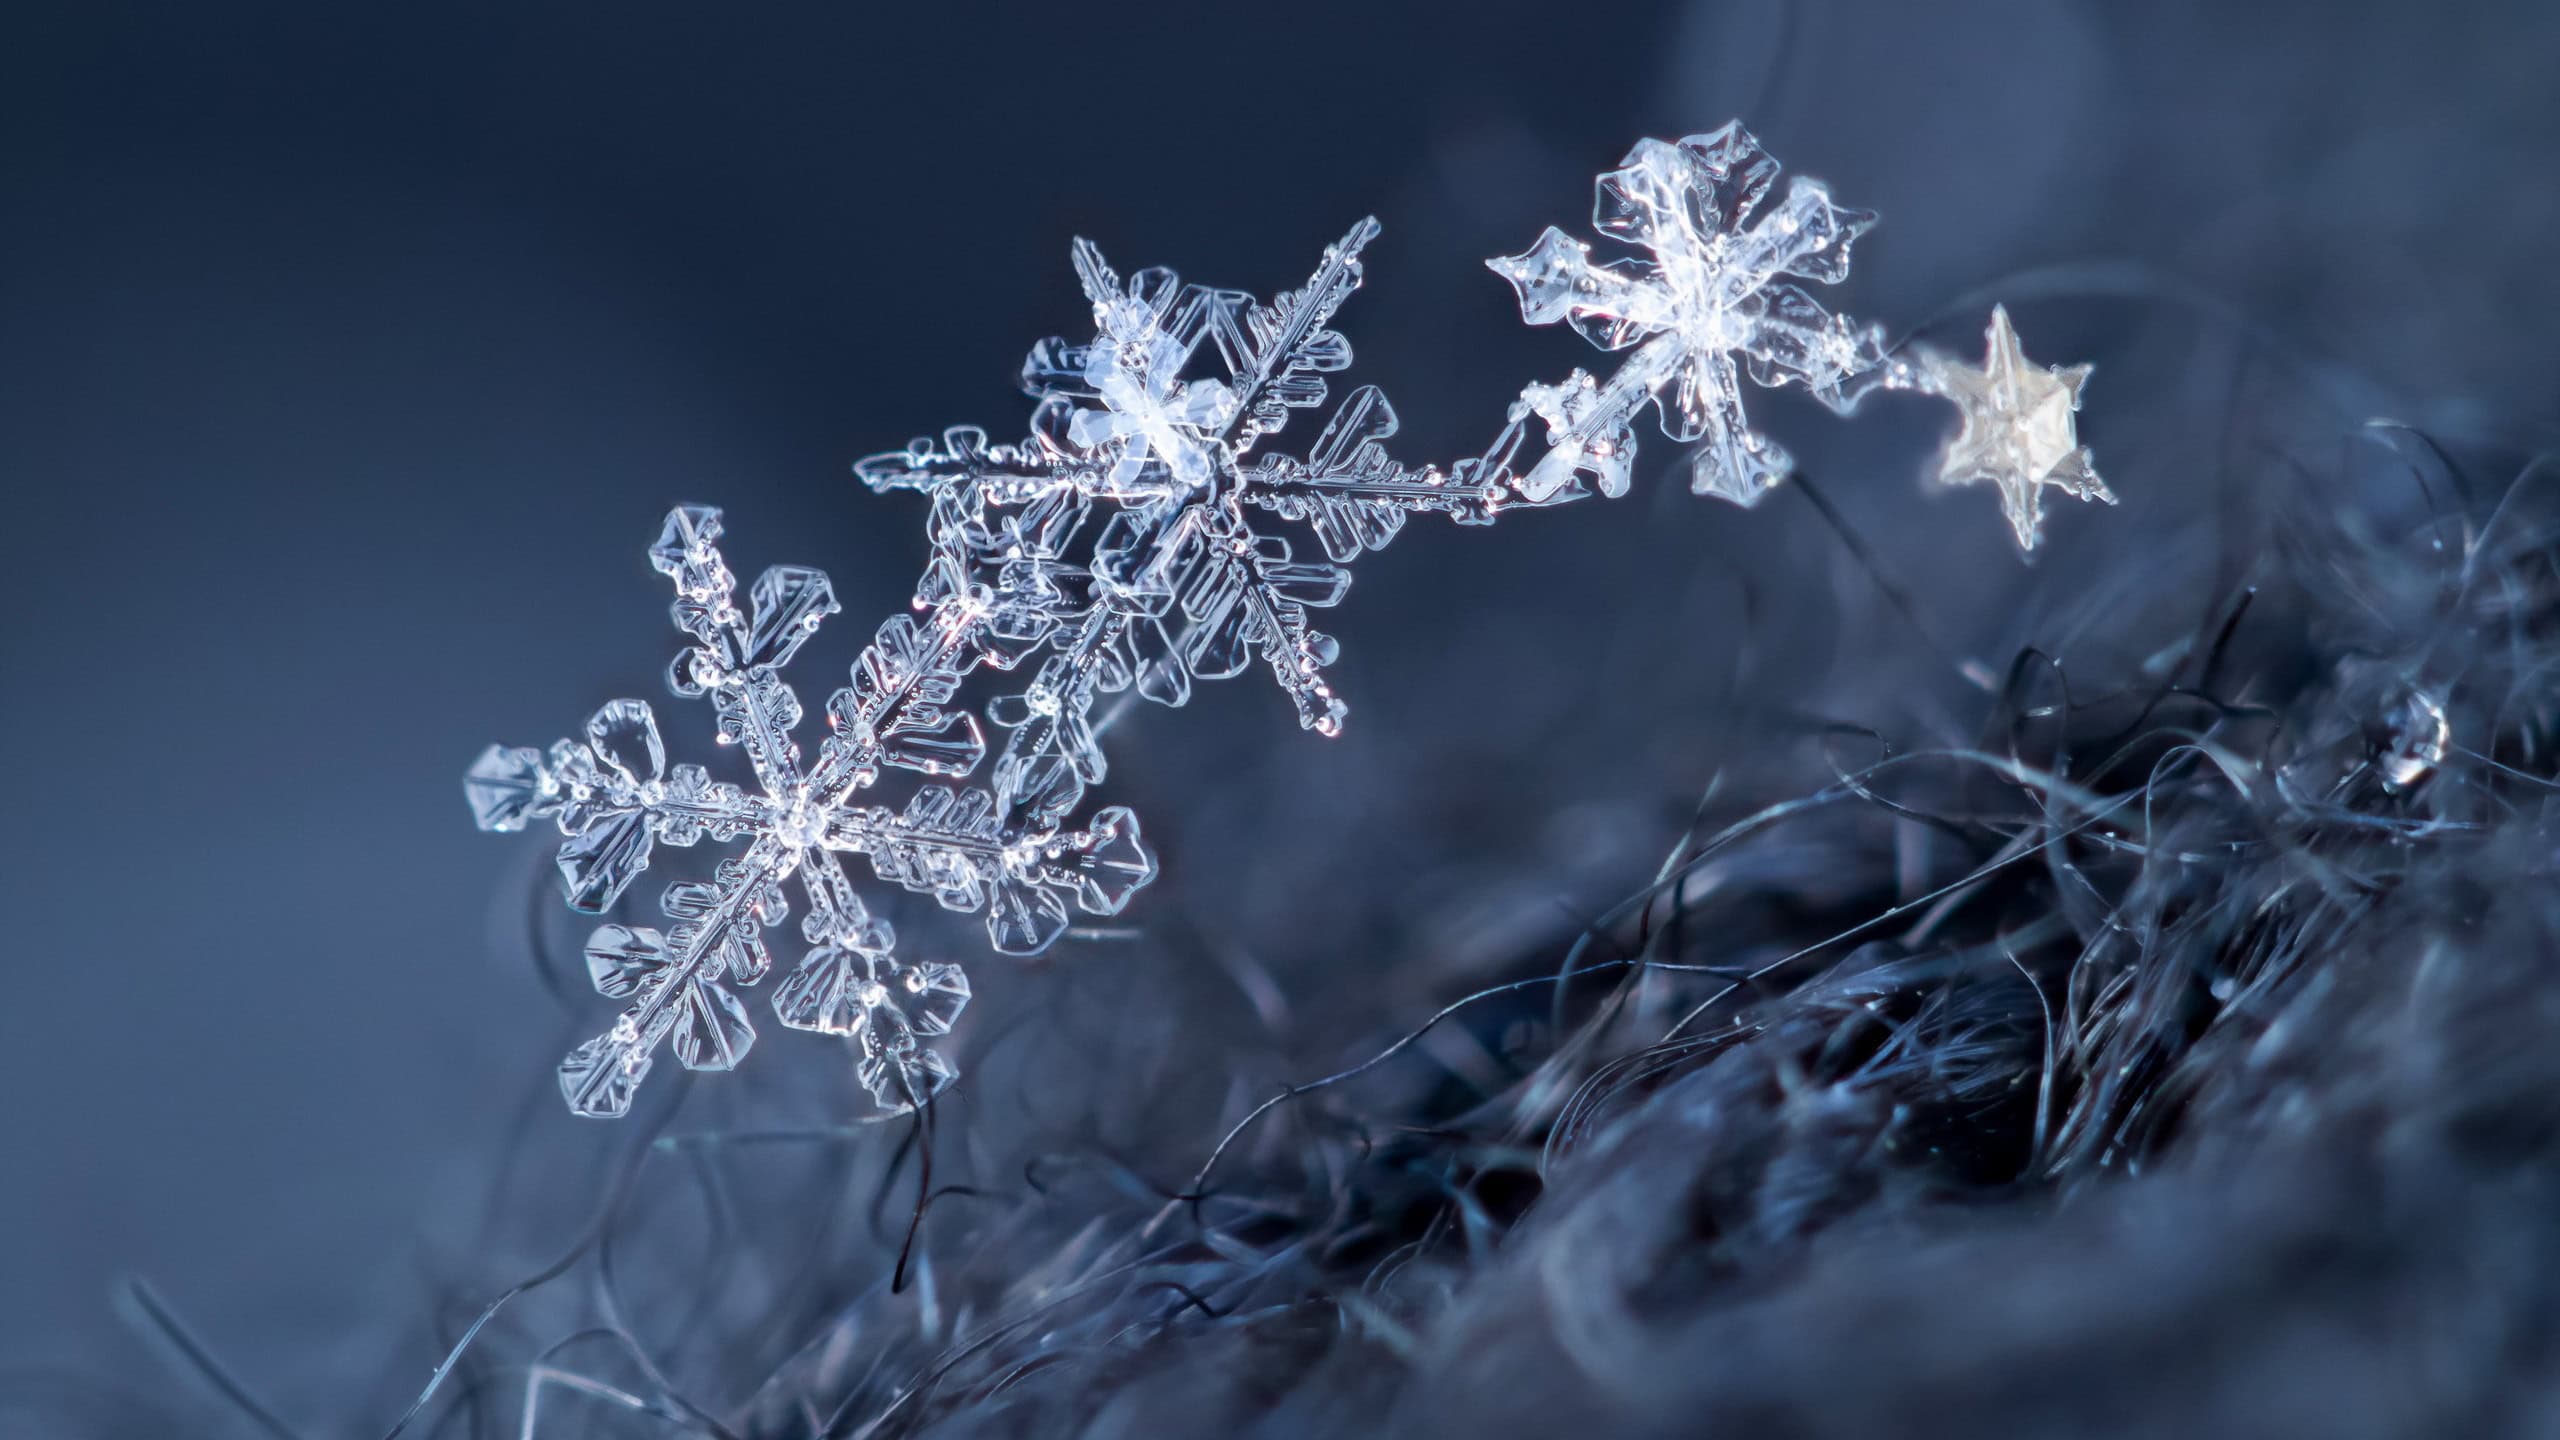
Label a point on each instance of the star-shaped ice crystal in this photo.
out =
(2017, 431)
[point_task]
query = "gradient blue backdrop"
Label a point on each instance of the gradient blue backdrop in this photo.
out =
(348, 357)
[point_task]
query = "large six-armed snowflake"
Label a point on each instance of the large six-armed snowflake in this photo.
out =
(615, 798)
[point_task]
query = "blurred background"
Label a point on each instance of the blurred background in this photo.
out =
(349, 357)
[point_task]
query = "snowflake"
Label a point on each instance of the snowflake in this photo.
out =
(1711, 292)
(2017, 432)
(1150, 480)
(614, 797)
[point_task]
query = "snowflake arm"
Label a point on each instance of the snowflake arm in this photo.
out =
(1241, 592)
(955, 846)
(963, 460)
(1280, 353)
(1351, 493)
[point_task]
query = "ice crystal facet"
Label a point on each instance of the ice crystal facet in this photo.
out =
(2016, 432)
(2419, 736)
(614, 798)
(1710, 305)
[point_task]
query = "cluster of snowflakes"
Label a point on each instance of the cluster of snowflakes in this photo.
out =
(1129, 544)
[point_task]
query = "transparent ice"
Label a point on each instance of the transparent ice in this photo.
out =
(1708, 303)
(1143, 538)
(1136, 535)
(614, 797)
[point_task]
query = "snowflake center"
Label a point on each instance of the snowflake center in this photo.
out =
(801, 823)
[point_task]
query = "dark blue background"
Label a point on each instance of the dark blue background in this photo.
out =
(348, 357)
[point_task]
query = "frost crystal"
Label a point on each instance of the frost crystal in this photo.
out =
(1132, 535)
(2017, 432)
(2420, 734)
(614, 798)
(1709, 305)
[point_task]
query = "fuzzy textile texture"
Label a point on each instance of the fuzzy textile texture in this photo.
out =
(2167, 1051)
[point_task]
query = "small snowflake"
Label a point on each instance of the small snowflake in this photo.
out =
(1708, 307)
(1149, 479)
(1159, 426)
(2017, 432)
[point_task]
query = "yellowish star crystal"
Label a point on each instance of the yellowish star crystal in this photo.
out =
(2017, 431)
